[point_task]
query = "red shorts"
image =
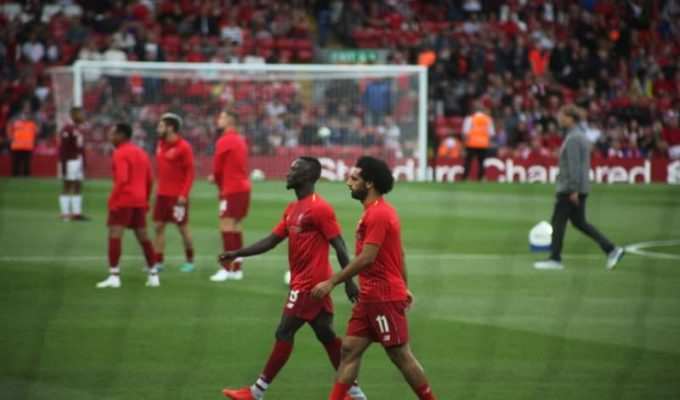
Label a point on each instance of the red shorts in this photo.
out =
(306, 307)
(129, 217)
(166, 209)
(383, 322)
(234, 205)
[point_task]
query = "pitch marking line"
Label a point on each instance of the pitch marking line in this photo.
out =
(282, 258)
(636, 248)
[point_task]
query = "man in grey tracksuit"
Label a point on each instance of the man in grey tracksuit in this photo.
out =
(573, 187)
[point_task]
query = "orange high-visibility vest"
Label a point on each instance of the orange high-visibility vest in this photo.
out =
(478, 136)
(22, 133)
(449, 148)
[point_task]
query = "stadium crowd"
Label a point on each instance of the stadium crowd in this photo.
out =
(521, 59)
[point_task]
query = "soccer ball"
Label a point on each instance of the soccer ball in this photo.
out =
(324, 132)
(540, 237)
(257, 175)
(286, 278)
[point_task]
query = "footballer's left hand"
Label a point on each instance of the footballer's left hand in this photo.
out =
(323, 289)
(351, 290)
(227, 257)
(409, 299)
(181, 200)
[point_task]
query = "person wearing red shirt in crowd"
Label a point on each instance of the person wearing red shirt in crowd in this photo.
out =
(670, 138)
(175, 167)
(310, 225)
(128, 203)
(72, 163)
(380, 313)
(230, 174)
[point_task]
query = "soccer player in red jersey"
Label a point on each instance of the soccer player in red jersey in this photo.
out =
(380, 313)
(310, 225)
(72, 163)
(175, 167)
(128, 203)
(230, 174)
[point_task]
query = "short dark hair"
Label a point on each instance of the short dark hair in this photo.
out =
(314, 166)
(75, 109)
(172, 120)
(125, 129)
(376, 170)
(232, 114)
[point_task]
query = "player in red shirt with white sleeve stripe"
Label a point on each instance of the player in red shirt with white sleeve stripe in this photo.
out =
(310, 226)
(230, 174)
(72, 163)
(175, 167)
(128, 203)
(380, 313)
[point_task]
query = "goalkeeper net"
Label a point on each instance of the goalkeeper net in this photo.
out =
(336, 113)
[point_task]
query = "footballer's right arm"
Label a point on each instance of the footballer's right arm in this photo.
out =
(262, 246)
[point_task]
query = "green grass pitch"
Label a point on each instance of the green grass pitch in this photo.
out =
(485, 325)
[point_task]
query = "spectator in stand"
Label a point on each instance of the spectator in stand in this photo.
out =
(206, 23)
(33, 49)
(670, 138)
(390, 137)
(123, 39)
(376, 100)
(230, 31)
(322, 9)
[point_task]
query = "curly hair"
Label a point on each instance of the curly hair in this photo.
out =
(376, 170)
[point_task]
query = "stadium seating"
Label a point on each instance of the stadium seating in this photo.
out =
(618, 61)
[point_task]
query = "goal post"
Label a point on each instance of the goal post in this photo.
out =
(334, 112)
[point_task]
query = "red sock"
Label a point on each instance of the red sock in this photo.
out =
(231, 241)
(148, 253)
(238, 240)
(340, 391)
(159, 257)
(190, 255)
(277, 359)
(238, 243)
(424, 392)
(114, 251)
(333, 349)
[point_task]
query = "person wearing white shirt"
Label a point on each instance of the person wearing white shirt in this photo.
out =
(33, 50)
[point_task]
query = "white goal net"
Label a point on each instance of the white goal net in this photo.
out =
(336, 113)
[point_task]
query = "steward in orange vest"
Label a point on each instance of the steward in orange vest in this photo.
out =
(22, 132)
(478, 129)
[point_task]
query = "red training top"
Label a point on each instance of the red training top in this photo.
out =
(230, 164)
(175, 164)
(309, 224)
(131, 178)
(383, 280)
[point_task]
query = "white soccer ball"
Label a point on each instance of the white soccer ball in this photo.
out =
(324, 132)
(540, 237)
(257, 175)
(286, 278)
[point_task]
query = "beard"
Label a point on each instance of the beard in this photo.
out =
(359, 194)
(293, 183)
